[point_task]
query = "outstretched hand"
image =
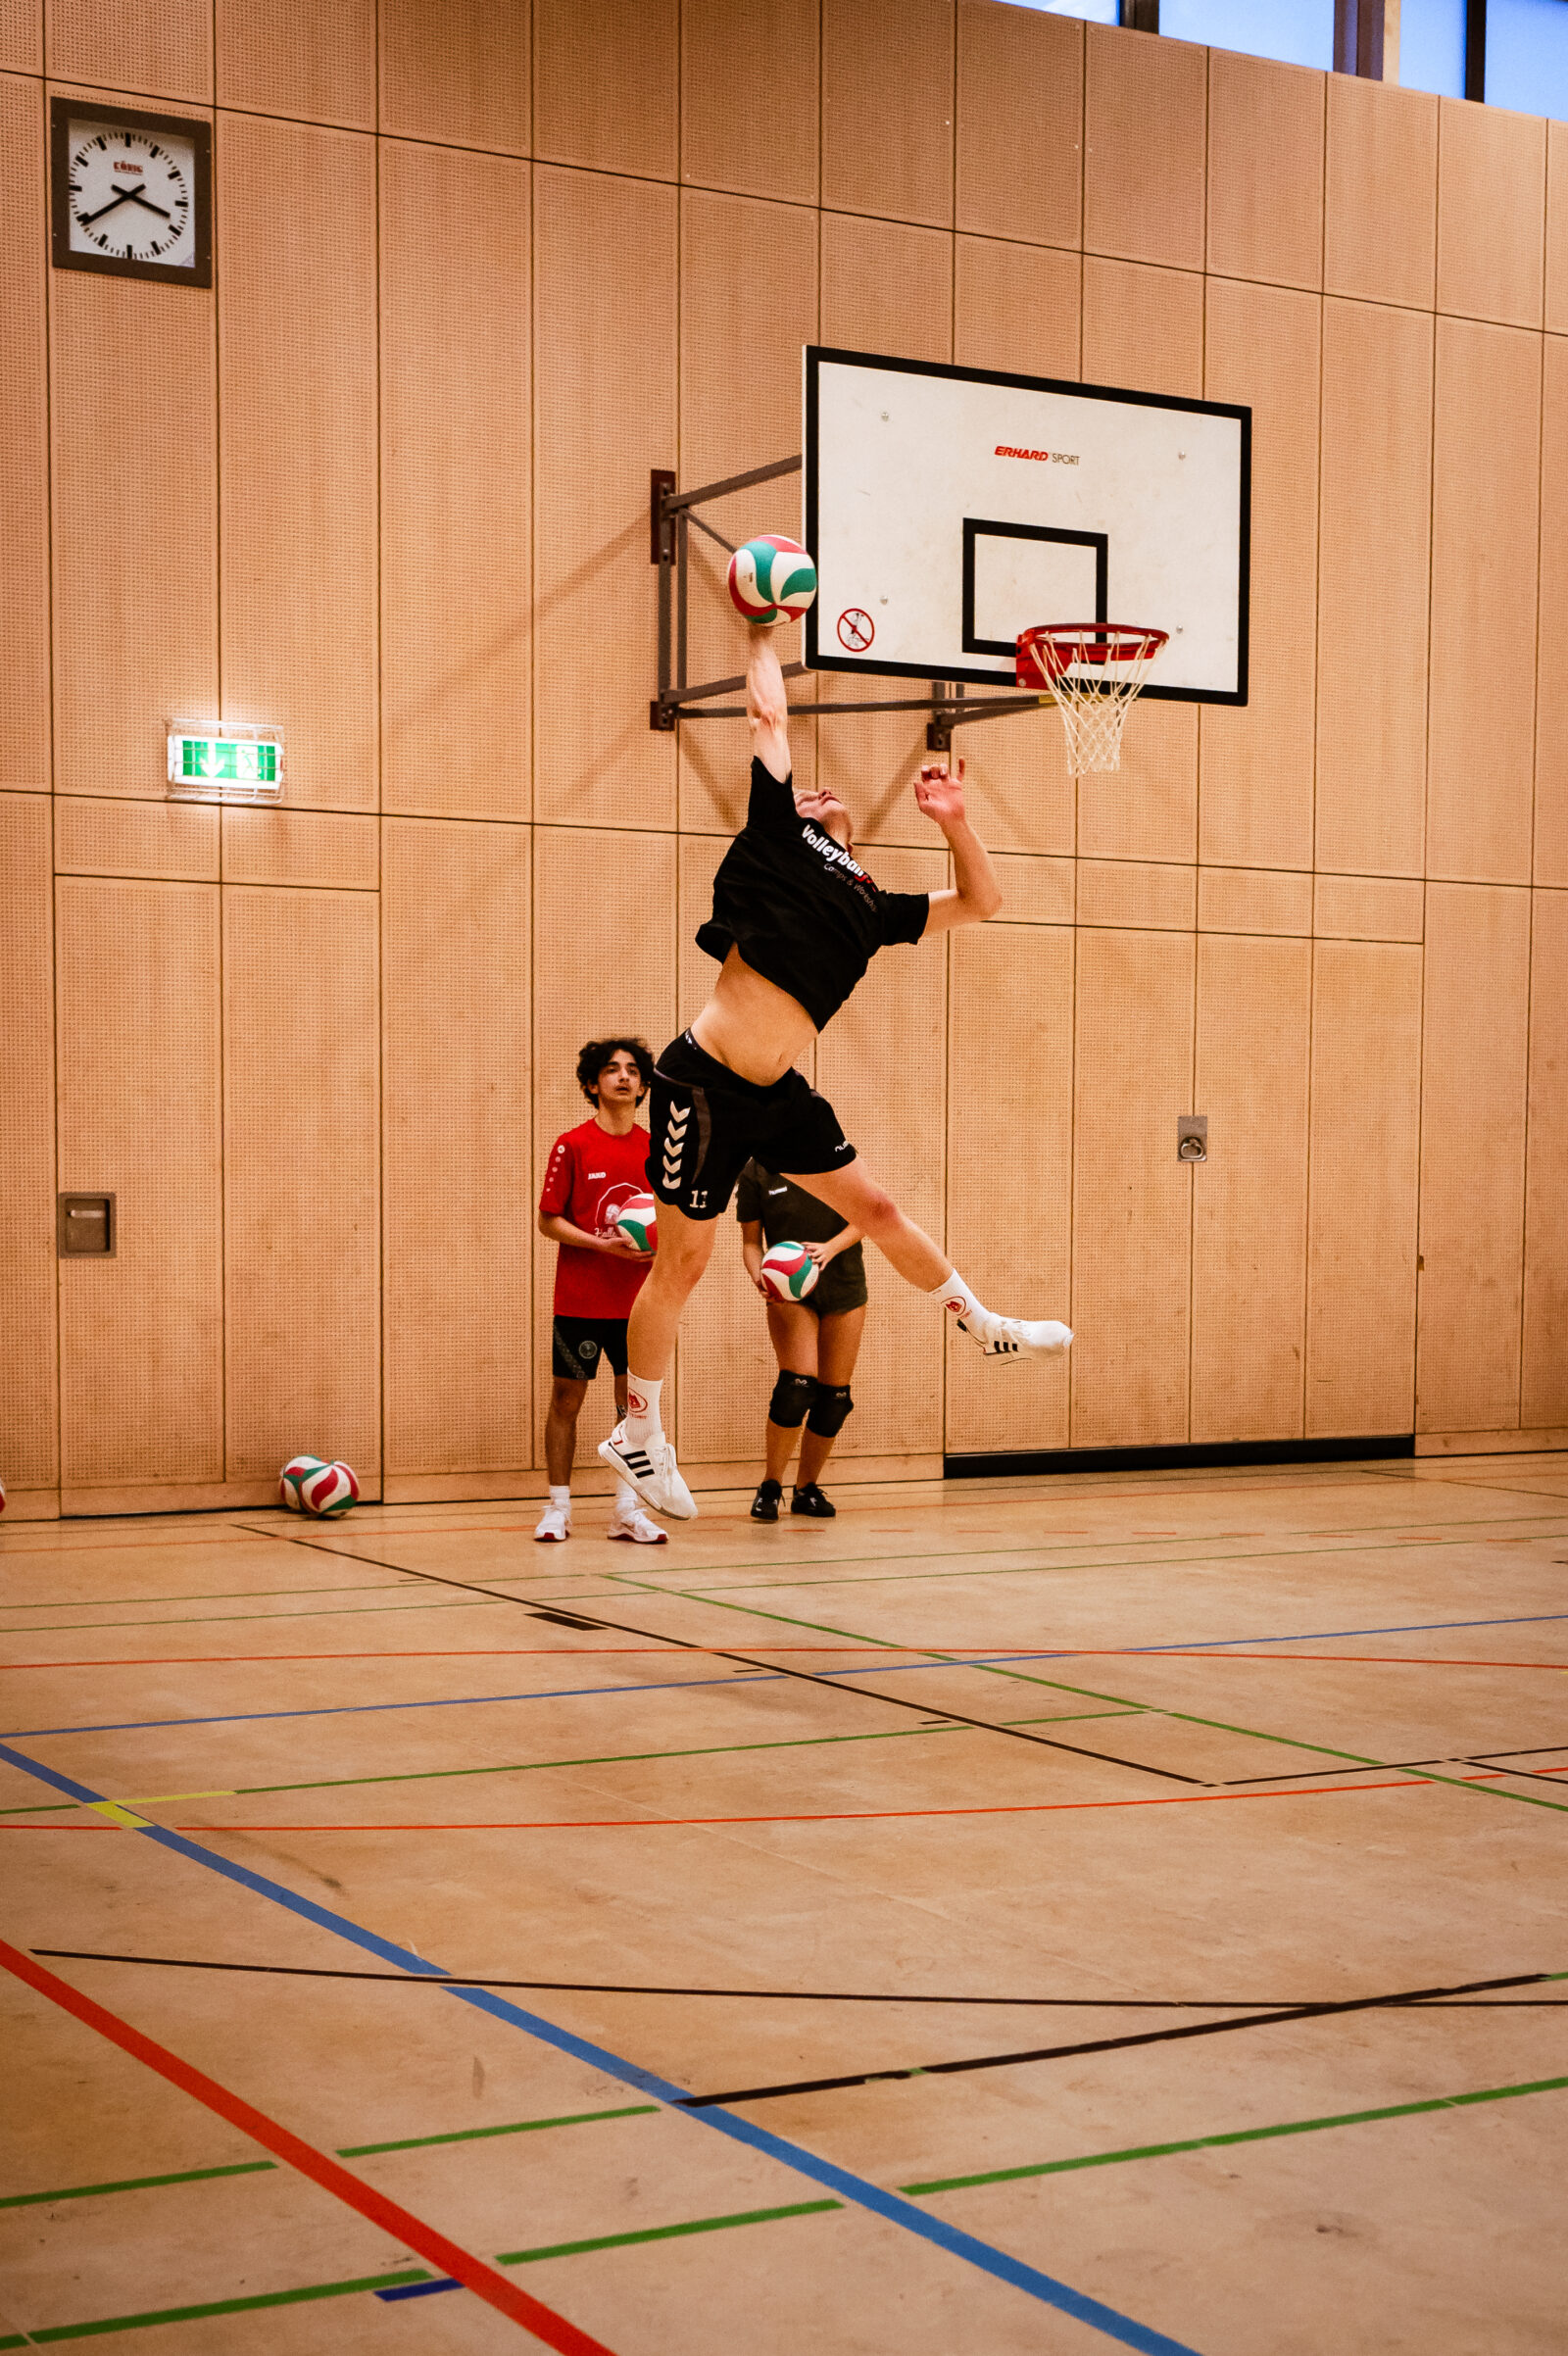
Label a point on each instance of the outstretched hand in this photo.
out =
(940, 792)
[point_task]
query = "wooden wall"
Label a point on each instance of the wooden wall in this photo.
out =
(478, 268)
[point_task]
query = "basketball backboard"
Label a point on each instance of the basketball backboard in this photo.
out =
(948, 508)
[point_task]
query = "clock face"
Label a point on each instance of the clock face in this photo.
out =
(131, 194)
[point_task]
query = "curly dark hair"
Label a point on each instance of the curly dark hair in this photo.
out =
(596, 1053)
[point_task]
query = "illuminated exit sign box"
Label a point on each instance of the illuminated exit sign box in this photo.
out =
(225, 764)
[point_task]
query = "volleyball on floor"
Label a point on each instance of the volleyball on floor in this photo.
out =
(771, 579)
(637, 1223)
(311, 1484)
(789, 1271)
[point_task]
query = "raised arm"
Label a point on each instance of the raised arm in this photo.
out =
(977, 893)
(765, 707)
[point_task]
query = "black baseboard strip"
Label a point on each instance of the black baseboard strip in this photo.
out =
(1177, 1459)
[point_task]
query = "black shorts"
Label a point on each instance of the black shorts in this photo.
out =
(707, 1122)
(578, 1343)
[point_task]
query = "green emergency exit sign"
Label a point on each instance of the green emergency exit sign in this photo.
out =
(225, 764)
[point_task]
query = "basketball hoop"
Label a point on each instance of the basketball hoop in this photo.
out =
(1093, 669)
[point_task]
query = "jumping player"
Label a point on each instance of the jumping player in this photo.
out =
(796, 921)
(593, 1169)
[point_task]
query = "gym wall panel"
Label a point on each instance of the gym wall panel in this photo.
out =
(1252, 900)
(1552, 649)
(25, 441)
(457, 74)
(1557, 227)
(22, 38)
(459, 1213)
(161, 52)
(1010, 1216)
(1132, 1199)
(1473, 1096)
(295, 57)
(1035, 891)
(455, 483)
(1373, 587)
(301, 1180)
(174, 840)
(1484, 581)
(319, 847)
(1545, 1387)
(1020, 115)
(887, 107)
(1126, 892)
(1018, 791)
(1265, 169)
(1368, 907)
(133, 421)
(606, 84)
(748, 285)
(1363, 1170)
(28, 1395)
(1381, 227)
(892, 1029)
(295, 210)
(1492, 193)
(746, 62)
(604, 960)
(1016, 307)
(141, 1334)
(1143, 328)
(1254, 1010)
(604, 345)
(1255, 766)
(1145, 108)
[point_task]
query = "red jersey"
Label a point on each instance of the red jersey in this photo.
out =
(590, 1174)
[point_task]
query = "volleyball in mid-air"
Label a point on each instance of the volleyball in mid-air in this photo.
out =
(296, 1470)
(311, 1484)
(637, 1223)
(771, 579)
(789, 1271)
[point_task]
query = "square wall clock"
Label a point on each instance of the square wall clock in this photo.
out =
(131, 192)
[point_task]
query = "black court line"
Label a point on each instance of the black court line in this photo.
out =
(1452, 1758)
(833, 1684)
(1108, 2045)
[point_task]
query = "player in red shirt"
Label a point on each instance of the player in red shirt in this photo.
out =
(593, 1171)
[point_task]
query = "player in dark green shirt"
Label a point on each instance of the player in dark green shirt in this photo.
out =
(816, 1341)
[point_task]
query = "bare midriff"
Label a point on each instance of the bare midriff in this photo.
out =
(750, 1025)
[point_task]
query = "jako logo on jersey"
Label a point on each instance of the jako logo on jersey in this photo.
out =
(1046, 458)
(831, 849)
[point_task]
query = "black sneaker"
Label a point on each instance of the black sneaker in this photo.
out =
(766, 1503)
(811, 1500)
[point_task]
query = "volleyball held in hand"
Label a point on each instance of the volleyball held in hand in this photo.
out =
(789, 1271)
(637, 1223)
(311, 1484)
(771, 579)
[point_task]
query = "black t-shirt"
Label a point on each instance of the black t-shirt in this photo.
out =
(801, 910)
(786, 1213)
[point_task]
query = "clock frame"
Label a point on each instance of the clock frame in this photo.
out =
(198, 271)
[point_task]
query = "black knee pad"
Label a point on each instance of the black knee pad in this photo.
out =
(793, 1393)
(829, 1409)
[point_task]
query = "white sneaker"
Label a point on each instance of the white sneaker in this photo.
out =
(554, 1522)
(650, 1468)
(638, 1528)
(1016, 1337)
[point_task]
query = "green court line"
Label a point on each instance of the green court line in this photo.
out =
(478, 2135)
(237, 1619)
(664, 2233)
(192, 2314)
(234, 1595)
(134, 2183)
(1243, 2134)
(1089, 1692)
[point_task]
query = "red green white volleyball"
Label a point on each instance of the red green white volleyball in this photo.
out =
(771, 579)
(637, 1223)
(296, 1471)
(330, 1491)
(789, 1271)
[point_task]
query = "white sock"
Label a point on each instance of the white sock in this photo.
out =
(954, 1295)
(642, 1409)
(626, 1503)
(560, 1499)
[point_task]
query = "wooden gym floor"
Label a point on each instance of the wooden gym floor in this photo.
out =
(957, 1845)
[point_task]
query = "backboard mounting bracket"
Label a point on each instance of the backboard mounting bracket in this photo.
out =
(670, 514)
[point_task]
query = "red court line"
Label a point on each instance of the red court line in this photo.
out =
(392, 2217)
(207, 1660)
(1398, 1660)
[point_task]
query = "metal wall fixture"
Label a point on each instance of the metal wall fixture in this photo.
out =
(1192, 1137)
(86, 1227)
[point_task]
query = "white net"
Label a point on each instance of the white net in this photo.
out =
(1094, 670)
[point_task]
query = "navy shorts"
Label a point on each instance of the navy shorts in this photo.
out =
(706, 1123)
(578, 1343)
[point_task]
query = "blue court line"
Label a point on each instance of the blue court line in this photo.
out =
(1319, 1636)
(459, 1701)
(857, 2190)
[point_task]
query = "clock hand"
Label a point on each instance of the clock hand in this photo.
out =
(86, 220)
(137, 197)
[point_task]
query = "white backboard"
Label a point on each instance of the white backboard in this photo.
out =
(948, 508)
